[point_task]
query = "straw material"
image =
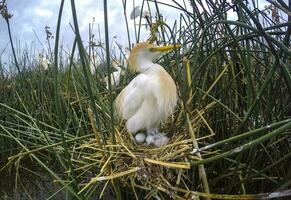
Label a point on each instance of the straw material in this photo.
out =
(141, 166)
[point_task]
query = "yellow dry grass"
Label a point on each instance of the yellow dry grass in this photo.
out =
(143, 167)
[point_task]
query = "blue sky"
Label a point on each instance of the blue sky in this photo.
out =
(31, 16)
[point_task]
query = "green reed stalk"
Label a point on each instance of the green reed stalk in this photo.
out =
(116, 184)
(246, 146)
(70, 189)
(286, 74)
(12, 46)
(84, 66)
(126, 23)
(60, 116)
(108, 70)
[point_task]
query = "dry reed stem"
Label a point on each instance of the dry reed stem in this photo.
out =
(201, 168)
(144, 167)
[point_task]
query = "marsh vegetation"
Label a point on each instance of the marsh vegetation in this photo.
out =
(230, 133)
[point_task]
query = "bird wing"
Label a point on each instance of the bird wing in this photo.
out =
(131, 97)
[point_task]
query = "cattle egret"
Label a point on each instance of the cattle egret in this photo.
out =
(43, 62)
(115, 76)
(136, 12)
(94, 62)
(151, 96)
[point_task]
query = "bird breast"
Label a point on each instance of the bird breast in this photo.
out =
(148, 99)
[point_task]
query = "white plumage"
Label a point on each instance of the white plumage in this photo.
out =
(136, 12)
(150, 97)
(158, 139)
(94, 63)
(43, 62)
(115, 76)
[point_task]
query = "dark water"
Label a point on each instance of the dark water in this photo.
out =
(27, 186)
(35, 186)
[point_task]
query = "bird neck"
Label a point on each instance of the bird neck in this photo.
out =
(145, 65)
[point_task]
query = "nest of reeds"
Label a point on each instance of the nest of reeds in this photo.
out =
(156, 171)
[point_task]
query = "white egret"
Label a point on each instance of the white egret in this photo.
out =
(151, 96)
(43, 62)
(136, 12)
(94, 63)
(115, 76)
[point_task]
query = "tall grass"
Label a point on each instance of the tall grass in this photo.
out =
(234, 109)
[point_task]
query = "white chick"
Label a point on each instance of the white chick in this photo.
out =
(151, 96)
(159, 139)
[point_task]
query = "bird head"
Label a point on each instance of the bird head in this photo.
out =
(144, 53)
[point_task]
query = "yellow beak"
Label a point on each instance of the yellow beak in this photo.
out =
(165, 48)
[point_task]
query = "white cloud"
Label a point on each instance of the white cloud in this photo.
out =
(40, 12)
(35, 15)
(84, 3)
